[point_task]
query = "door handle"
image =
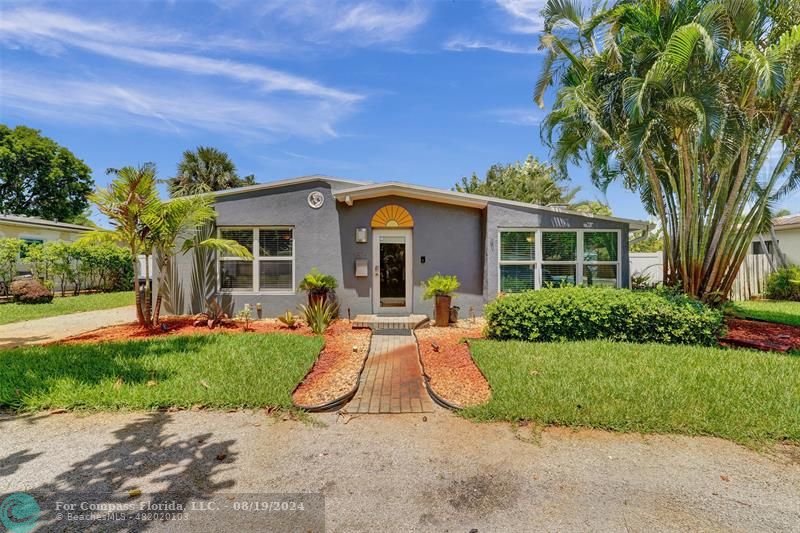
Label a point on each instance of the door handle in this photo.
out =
(377, 271)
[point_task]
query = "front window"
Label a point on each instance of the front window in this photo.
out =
(559, 258)
(531, 258)
(517, 261)
(272, 266)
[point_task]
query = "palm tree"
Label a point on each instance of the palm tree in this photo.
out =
(173, 227)
(692, 103)
(147, 226)
(129, 199)
(203, 170)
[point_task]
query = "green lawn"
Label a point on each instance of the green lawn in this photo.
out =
(64, 306)
(219, 371)
(772, 311)
(745, 396)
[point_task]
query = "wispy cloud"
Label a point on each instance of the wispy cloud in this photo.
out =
(359, 23)
(49, 31)
(516, 116)
(525, 14)
(463, 44)
(172, 110)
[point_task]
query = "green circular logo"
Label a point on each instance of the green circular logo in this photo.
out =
(19, 512)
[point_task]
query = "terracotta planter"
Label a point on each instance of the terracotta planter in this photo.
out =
(442, 311)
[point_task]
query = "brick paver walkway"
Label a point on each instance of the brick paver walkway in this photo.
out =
(392, 378)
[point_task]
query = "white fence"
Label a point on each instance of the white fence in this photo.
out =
(750, 282)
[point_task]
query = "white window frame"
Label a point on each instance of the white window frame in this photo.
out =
(537, 256)
(257, 258)
(616, 263)
(538, 262)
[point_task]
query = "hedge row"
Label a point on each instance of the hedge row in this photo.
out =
(579, 313)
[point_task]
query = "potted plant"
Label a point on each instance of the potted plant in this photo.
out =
(318, 286)
(441, 288)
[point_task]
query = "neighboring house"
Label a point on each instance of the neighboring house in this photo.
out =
(38, 231)
(785, 238)
(382, 240)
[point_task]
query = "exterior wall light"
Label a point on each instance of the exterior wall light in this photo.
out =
(361, 234)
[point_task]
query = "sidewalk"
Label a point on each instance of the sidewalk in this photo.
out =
(54, 328)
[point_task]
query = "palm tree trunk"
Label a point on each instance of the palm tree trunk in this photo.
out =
(137, 293)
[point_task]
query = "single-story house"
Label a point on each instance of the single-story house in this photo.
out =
(38, 231)
(382, 240)
(784, 239)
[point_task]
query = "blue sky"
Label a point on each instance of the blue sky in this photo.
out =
(422, 92)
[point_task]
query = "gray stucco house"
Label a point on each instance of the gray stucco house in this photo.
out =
(382, 240)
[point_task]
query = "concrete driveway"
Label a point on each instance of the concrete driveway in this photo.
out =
(406, 473)
(55, 328)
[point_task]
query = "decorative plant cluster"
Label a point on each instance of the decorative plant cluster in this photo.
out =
(319, 315)
(318, 285)
(439, 285)
(784, 284)
(581, 313)
(288, 319)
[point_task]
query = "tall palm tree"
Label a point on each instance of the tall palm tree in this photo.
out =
(203, 170)
(693, 103)
(129, 199)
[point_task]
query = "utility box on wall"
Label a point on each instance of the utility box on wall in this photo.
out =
(362, 268)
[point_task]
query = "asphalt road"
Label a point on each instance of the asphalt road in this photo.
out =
(398, 473)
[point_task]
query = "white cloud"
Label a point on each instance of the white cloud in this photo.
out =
(42, 30)
(525, 13)
(172, 110)
(355, 23)
(462, 44)
(380, 22)
(517, 116)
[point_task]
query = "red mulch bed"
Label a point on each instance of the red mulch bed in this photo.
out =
(761, 335)
(336, 371)
(447, 361)
(177, 325)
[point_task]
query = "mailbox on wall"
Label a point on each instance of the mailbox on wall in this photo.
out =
(362, 269)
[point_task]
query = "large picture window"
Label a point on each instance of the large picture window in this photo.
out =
(535, 258)
(272, 266)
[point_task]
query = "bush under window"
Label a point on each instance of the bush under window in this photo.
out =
(581, 313)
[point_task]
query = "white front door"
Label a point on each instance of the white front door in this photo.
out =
(392, 280)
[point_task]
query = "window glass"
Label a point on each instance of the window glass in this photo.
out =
(242, 236)
(558, 275)
(600, 275)
(275, 275)
(517, 278)
(599, 246)
(275, 242)
(518, 246)
(559, 245)
(236, 274)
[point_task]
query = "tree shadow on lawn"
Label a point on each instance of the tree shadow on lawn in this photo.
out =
(38, 370)
(182, 469)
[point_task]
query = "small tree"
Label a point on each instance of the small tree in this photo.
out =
(147, 226)
(9, 253)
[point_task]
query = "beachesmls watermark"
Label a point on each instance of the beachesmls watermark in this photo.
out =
(162, 511)
(19, 512)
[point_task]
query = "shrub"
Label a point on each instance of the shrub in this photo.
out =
(319, 315)
(439, 285)
(30, 291)
(288, 319)
(315, 282)
(784, 284)
(581, 313)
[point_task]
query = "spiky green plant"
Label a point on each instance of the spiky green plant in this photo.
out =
(319, 314)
